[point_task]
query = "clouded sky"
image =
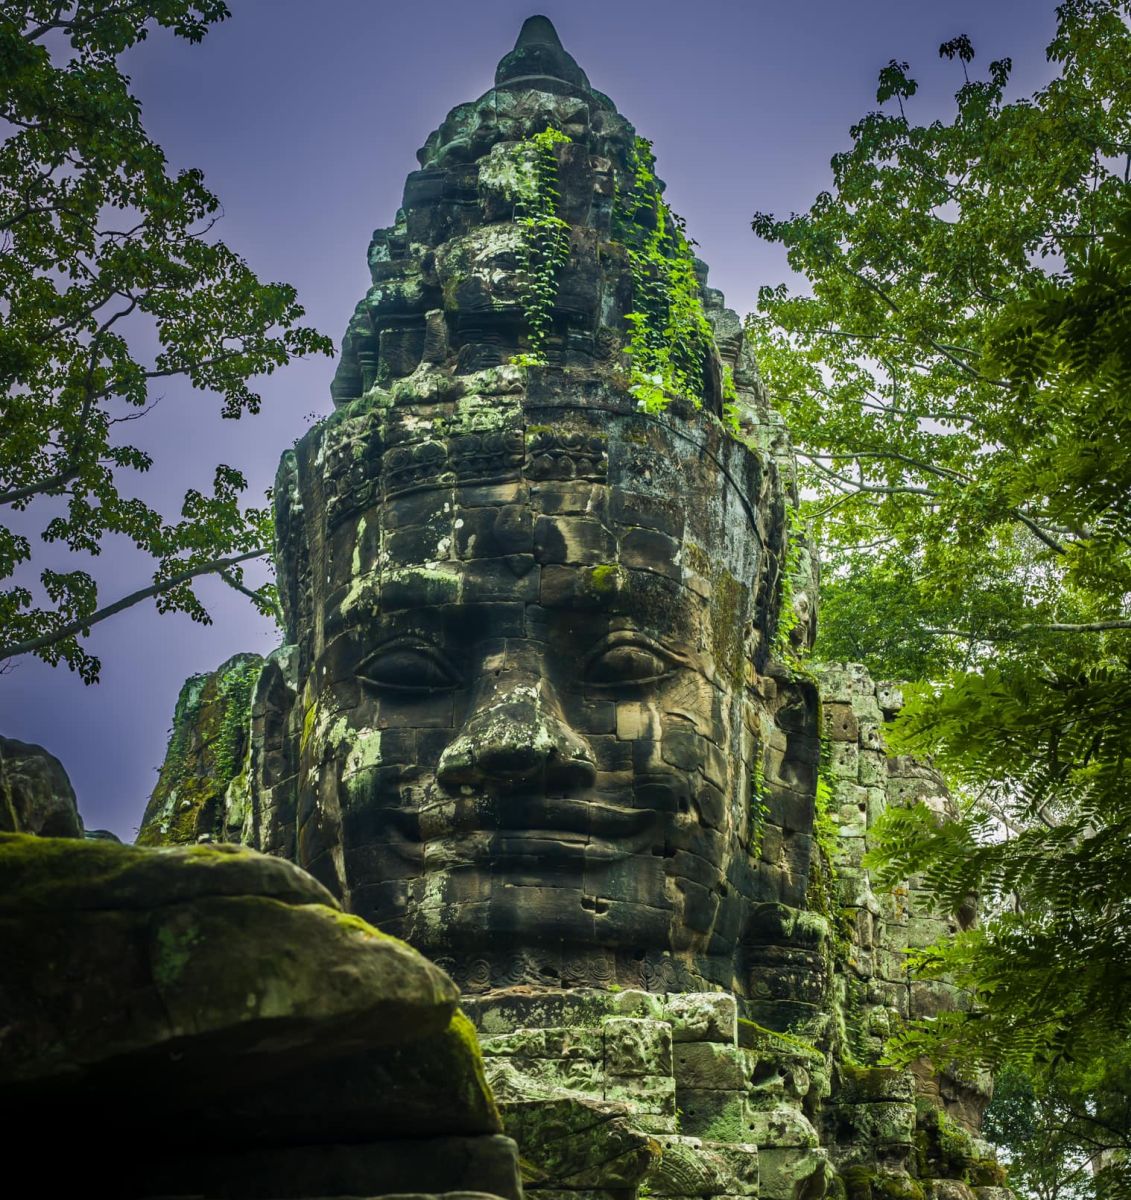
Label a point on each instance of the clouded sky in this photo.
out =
(305, 116)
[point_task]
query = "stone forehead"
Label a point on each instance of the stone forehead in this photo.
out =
(490, 431)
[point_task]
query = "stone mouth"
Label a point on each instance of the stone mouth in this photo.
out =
(516, 814)
(557, 828)
(549, 850)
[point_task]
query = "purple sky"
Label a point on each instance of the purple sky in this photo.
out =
(305, 118)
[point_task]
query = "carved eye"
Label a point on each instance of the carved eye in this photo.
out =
(627, 658)
(406, 665)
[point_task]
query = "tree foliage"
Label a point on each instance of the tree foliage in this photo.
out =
(1049, 1139)
(959, 384)
(111, 281)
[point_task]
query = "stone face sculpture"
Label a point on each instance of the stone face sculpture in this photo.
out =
(531, 608)
(534, 712)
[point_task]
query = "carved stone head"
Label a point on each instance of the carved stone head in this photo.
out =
(528, 722)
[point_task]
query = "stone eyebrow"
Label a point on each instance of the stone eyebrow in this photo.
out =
(614, 589)
(415, 588)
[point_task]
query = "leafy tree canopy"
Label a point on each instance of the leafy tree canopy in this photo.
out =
(111, 279)
(959, 385)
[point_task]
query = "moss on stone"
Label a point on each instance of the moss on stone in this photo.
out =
(605, 577)
(63, 874)
(448, 292)
(461, 1033)
(753, 1036)
(207, 749)
(943, 1149)
(309, 717)
(867, 1182)
(357, 925)
(173, 952)
(728, 602)
(866, 1084)
(697, 559)
(987, 1172)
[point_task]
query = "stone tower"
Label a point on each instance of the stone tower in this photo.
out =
(540, 710)
(532, 572)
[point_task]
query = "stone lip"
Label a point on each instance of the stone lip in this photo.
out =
(538, 58)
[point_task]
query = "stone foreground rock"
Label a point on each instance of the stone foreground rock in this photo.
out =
(35, 794)
(214, 997)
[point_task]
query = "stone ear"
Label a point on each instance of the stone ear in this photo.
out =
(291, 543)
(269, 821)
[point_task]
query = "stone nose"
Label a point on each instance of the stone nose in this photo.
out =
(518, 741)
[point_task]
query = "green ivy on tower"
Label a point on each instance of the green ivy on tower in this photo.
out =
(545, 240)
(670, 335)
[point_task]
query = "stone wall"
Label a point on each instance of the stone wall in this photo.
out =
(201, 789)
(677, 1095)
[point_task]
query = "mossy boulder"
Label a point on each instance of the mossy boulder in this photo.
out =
(35, 792)
(168, 973)
(432, 1086)
(57, 875)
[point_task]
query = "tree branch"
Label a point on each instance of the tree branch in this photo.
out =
(928, 468)
(1052, 627)
(83, 624)
(52, 484)
(863, 488)
(254, 597)
(939, 347)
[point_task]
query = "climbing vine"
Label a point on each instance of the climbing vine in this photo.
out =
(825, 829)
(788, 619)
(670, 337)
(731, 410)
(235, 703)
(185, 717)
(545, 240)
(759, 807)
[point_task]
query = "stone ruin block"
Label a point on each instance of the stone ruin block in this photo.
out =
(693, 1166)
(709, 1065)
(703, 1017)
(637, 1046)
